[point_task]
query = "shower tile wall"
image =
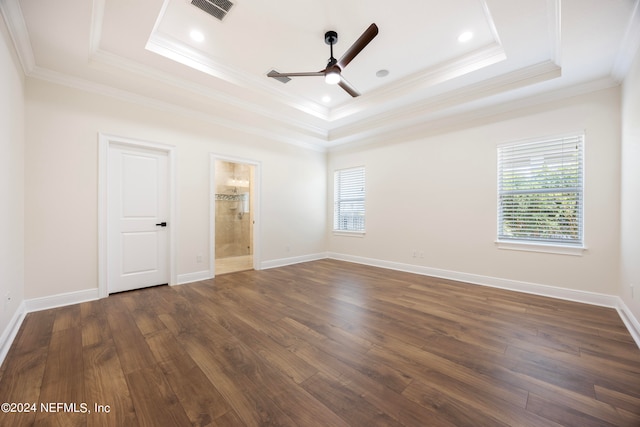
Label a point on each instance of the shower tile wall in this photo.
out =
(232, 204)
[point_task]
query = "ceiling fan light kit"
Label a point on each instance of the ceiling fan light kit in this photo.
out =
(333, 71)
(332, 77)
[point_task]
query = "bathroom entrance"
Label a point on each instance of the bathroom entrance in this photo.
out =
(234, 216)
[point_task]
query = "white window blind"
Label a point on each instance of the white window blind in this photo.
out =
(540, 191)
(348, 196)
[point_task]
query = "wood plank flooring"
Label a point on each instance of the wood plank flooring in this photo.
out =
(324, 343)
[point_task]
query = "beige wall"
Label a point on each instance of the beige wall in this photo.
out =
(436, 195)
(11, 180)
(630, 219)
(62, 184)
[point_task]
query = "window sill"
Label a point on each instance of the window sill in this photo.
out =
(541, 247)
(348, 233)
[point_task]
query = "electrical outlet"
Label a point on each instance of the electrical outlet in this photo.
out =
(199, 258)
(632, 291)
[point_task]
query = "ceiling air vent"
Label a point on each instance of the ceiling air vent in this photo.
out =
(216, 8)
(283, 79)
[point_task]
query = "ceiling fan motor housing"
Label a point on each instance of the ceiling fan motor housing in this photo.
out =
(331, 37)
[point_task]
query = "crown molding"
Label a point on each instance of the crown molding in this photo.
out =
(485, 56)
(466, 116)
(555, 30)
(215, 97)
(629, 47)
(95, 32)
(182, 53)
(284, 133)
(10, 10)
(473, 61)
(12, 14)
(419, 112)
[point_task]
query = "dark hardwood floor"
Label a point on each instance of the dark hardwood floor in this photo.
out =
(324, 343)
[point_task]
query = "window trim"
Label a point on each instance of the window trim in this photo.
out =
(347, 233)
(522, 245)
(554, 247)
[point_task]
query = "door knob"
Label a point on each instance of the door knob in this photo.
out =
(162, 224)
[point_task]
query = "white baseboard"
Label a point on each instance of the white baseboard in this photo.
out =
(38, 304)
(293, 260)
(193, 277)
(60, 300)
(629, 320)
(592, 298)
(11, 331)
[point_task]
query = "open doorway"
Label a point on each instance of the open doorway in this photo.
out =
(234, 200)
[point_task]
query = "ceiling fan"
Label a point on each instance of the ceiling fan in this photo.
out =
(332, 72)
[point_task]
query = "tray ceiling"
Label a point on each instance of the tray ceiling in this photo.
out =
(145, 51)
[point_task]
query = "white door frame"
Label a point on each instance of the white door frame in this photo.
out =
(212, 210)
(104, 142)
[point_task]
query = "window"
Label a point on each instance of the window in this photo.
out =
(348, 199)
(540, 191)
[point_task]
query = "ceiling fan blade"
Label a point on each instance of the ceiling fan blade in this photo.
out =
(348, 87)
(310, 74)
(357, 47)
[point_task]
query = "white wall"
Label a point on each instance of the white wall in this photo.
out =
(437, 195)
(11, 181)
(62, 182)
(630, 219)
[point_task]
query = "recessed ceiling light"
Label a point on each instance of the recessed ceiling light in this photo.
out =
(326, 98)
(196, 36)
(382, 73)
(465, 37)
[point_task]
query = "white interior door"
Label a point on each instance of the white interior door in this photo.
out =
(138, 207)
